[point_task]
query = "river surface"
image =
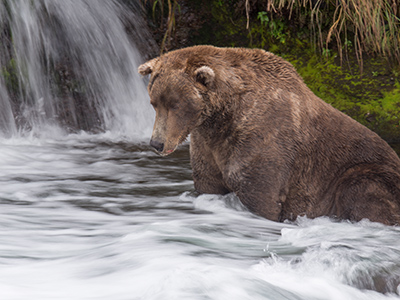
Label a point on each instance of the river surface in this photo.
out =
(104, 217)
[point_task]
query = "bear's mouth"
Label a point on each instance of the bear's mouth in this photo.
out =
(169, 151)
(181, 139)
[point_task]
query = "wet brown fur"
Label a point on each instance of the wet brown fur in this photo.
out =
(257, 130)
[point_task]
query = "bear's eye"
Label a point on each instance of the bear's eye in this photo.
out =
(174, 106)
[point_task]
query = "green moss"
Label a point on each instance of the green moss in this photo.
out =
(9, 74)
(374, 102)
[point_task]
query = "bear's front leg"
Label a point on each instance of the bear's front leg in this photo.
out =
(206, 175)
(255, 181)
(258, 184)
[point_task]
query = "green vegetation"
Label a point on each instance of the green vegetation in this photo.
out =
(9, 74)
(270, 29)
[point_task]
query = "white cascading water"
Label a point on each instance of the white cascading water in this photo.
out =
(75, 67)
(7, 122)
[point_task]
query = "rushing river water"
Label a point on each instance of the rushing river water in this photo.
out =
(101, 216)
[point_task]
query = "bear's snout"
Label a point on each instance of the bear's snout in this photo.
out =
(157, 145)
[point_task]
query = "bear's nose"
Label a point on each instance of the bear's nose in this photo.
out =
(157, 145)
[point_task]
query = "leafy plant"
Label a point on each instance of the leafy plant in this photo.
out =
(276, 28)
(326, 52)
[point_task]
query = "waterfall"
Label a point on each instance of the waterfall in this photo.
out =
(71, 65)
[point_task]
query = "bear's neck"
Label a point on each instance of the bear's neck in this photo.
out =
(218, 127)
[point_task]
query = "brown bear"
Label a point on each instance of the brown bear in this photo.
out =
(257, 130)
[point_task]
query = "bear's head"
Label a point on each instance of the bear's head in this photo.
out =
(178, 95)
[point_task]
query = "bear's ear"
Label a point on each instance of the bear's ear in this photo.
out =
(205, 75)
(147, 67)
